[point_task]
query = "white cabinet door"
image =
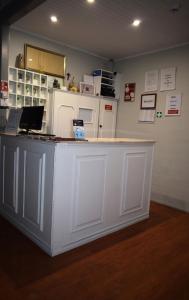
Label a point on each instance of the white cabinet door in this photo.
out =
(36, 188)
(107, 118)
(135, 181)
(79, 193)
(26, 186)
(9, 176)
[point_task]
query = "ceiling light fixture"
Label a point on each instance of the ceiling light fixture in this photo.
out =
(90, 1)
(136, 22)
(54, 19)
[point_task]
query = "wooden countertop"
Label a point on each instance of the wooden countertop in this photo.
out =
(72, 140)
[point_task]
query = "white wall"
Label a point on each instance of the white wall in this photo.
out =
(170, 183)
(77, 62)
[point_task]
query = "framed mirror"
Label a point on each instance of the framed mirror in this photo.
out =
(44, 61)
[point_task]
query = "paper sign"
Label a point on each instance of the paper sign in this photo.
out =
(173, 105)
(151, 81)
(168, 79)
(146, 115)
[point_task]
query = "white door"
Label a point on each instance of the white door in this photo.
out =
(65, 115)
(64, 111)
(107, 118)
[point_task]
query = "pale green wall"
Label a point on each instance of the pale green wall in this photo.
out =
(170, 184)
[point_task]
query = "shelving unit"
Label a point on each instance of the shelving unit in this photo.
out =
(104, 83)
(28, 88)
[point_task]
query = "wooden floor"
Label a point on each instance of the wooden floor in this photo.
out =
(149, 260)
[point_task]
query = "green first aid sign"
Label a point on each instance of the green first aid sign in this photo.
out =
(159, 114)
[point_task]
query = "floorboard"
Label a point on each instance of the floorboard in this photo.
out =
(148, 260)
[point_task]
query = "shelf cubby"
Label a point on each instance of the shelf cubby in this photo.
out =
(27, 88)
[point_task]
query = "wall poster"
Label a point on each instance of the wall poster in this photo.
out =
(129, 92)
(151, 81)
(173, 105)
(168, 79)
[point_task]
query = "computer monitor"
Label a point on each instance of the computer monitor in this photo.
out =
(31, 118)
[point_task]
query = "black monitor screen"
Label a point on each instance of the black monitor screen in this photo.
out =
(31, 117)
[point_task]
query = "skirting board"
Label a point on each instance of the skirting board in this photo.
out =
(44, 246)
(63, 248)
(170, 201)
(53, 251)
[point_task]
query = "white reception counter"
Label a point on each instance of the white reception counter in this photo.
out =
(65, 194)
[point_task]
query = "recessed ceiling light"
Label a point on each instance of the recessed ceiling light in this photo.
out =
(90, 1)
(136, 22)
(54, 19)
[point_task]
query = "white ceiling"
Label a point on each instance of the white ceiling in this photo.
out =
(104, 28)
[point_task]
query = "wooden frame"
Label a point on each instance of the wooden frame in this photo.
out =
(44, 61)
(148, 101)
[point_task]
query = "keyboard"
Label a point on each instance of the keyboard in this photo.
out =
(35, 133)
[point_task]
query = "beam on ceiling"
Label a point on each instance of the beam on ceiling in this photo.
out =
(16, 9)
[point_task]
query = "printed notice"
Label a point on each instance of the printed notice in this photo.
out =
(168, 79)
(151, 81)
(146, 115)
(173, 105)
